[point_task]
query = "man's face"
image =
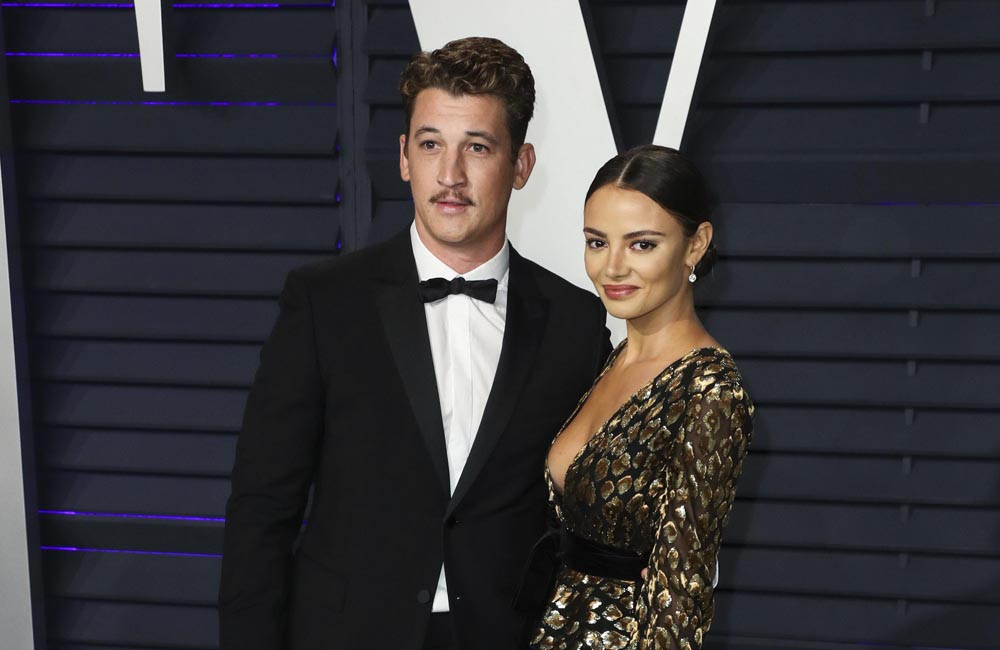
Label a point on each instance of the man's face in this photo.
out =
(457, 159)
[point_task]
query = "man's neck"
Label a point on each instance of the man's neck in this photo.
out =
(462, 259)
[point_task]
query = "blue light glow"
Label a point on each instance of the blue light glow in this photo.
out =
(95, 102)
(75, 549)
(127, 515)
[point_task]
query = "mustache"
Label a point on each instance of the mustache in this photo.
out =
(452, 197)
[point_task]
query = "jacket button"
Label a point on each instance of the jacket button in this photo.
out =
(423, 596)
(452, 521)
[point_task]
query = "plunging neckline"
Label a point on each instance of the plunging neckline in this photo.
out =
(621, 407)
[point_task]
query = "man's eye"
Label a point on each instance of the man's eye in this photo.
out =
(428, 144)
(479, 148)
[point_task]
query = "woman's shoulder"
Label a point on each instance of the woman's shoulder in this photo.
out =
(707, 371)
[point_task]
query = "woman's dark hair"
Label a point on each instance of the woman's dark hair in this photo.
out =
(667, 177)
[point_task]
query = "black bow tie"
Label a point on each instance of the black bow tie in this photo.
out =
(438, 288)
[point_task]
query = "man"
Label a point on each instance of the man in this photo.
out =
(416, 385)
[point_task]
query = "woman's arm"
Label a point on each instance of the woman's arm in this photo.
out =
(674, 608)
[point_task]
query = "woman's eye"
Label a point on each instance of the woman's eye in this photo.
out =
(595, 243)
(643, 245)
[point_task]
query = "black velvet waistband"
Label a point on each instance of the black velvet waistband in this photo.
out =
(560, 546)
(599, 560)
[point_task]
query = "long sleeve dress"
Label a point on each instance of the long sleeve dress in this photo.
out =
(658, 480)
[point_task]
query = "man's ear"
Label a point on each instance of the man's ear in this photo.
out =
(523, 164)
(404, 161)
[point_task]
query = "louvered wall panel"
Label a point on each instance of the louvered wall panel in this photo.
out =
(159, 230)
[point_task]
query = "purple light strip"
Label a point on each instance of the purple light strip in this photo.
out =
(74, 549)
(127, 515)
(101, 55)
(70, 5)
(94, 102)
(135, 55)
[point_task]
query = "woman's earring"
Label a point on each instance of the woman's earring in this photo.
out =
(692, 277)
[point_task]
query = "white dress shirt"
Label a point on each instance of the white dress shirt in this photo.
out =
(465, 336)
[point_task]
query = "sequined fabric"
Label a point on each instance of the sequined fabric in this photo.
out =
(658, 478)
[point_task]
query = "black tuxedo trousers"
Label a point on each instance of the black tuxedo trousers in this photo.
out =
(345, 402)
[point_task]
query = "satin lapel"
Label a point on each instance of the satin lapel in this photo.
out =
(405, 326)
(527, 311)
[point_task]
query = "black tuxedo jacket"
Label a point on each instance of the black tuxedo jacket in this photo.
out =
(345, 401)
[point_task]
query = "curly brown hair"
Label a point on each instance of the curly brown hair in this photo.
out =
(475, 66)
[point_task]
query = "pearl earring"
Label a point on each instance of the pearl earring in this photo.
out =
(692, 277)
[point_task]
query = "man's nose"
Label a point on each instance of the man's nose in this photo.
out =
(451, 172)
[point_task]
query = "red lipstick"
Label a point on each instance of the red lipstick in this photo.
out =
(619, 291)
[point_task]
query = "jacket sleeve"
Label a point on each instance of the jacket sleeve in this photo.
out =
(674, 609)
(275, 462)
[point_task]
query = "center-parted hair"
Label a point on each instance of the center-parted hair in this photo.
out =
(474, 66)
(667, 177)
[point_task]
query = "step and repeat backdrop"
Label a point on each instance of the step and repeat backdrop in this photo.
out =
(855, 150)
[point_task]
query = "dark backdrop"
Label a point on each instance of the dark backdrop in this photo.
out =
(853, 145)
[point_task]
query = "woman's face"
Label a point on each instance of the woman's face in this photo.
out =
(637, 255)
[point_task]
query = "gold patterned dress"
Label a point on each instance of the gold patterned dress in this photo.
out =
(657, 480)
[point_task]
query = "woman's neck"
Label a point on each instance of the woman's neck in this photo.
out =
(666, 335)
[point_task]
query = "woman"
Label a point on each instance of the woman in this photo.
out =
(641, 477)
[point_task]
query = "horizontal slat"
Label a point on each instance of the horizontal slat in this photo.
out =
(936, 433)
(874, 383)
(183, 409)
(152, 273)
(902, 527)
(132, 493)
(116, 624)
(652, 27)
(163, 363)
(869, 479)
(287, 80)
(150, 225)
(131, 531)
(170, 179)
(785, 78)
(864, 621)
(807, 131)
(275, 130)
(852, 230)
(880, 575)
(150, 317)
(156, 452)
(890, 284)
(295, 30)
(875, 334)
(137, 578)
(390, 30)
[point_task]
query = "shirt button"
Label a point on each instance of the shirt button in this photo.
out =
(423, 596)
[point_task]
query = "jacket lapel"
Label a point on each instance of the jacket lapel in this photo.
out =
(402, 311)
(527, 310)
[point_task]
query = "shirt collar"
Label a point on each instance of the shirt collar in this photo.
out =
(429, 266)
